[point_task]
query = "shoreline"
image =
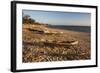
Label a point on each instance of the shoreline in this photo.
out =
(86, 29)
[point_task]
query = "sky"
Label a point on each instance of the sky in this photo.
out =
(60, 18)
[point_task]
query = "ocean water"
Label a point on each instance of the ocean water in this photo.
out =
(73, 28)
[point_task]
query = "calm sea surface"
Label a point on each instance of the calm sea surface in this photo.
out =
(74, 28)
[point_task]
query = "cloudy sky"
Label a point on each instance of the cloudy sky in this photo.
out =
(60, 18)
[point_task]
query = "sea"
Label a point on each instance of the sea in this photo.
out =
(73, 28)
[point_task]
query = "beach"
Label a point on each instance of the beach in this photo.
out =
(41, 44)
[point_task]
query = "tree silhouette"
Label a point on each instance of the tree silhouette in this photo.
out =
(28, 20)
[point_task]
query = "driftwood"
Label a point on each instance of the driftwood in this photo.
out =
(44, 31)
(63, 43)
(51, 43)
